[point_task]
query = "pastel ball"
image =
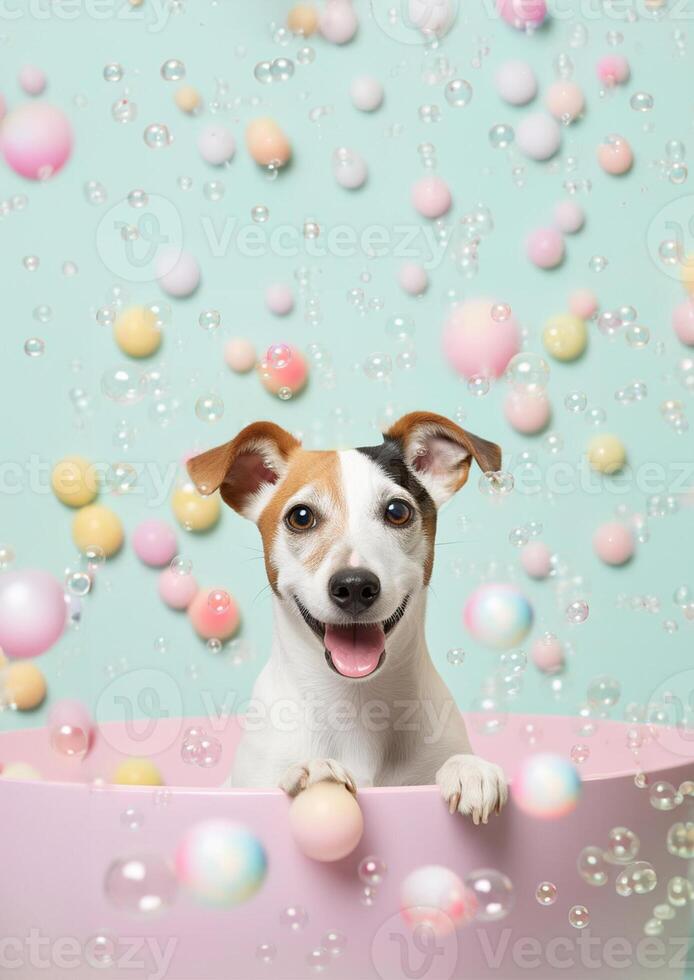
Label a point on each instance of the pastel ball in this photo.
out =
(545, 247)
(613, 69)
(536, 559)
(683, 322)
(569, 217)
(292, 376)
(606, 453)
(208, 621)
(538, 136)
(19, 770)
(687, 273)
(192, 510)
(476, 344)
(326, 821)
(279, 298)
(240, 355)
(137, 772)
(523, 14)
(565, 100)
(515, 82)
(431, 196)
(527, 409)
(32, 612)
(266, 142)
(613, 543)
(177, 590)
(220, 863)
(36, 140)
(413, 278)
(177, 271)
(583, 303)
(546, 787)
(615, 156)
(547, 653)
(337, 21)
(435, 897)
(32, 79)
(188, 99)
(498, 616)
(97, 526)
(366, 93)
(349, 168)
(74, 481)
(136, 332)
(565, 337)
(22, 685)
(302, 19)
(154, 542)
(216, 144)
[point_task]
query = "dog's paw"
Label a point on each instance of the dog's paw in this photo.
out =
(305, 774)
(472, 786)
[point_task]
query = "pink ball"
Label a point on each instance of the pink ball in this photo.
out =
(36, 140)
(613, 69)
(216, 144)
(431, 196)
(613, 543)
(279, 298)
(240, 355)
(583, 303)
(615, 156)
(569, 217)
(337, 21)
(413, 278)
(32, 79)
(177, 590)
(565, 100)
(527, 409)
(545, 247)
(522, 14)
(154, 542)
(177, 271)
(32, 612)
(476, 344)
(212, 619)
(326, 821)
(683, 322)
(536, 559)
(292, 375)
(547, 653)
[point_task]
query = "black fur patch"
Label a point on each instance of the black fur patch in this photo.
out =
(390, 457)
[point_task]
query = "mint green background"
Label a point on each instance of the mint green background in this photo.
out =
(123, 617)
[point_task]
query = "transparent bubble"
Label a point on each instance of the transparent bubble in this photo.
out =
(577, 612)
(576, 401)
(579, 916)
(637, 336)
(157, 136)
(682, 596)
(642, 101)
(30, 262)
(501, 136)
(455, 656)
(458, 92)
(281, 70)
(209, 407)
(318, 959)
(78, 583)
(124, 385)
(132, 819)
(266, 953)
(7, 555)
(173, 70)
(279, 355)
(592, 866)
(530, 370)
(680, 840)
(494, 893)
(218, 600)
(335, 942)
(295, 917)
(305, 55)
(680, 891)
(213, 190)
(261, 72)
(400, 327)
(664, 796)
(546, 893)
(121, 477)
(34, 347)
(597, 263)
(622, 846)
(311, 230)
(478, 385)
(496, 483)
(124, 111)
(579, 753)
(138, 199)
(209, 320)
(603, 692)
(371, 870)
(95, 192)
(144, 884)
(113, 72)
(638, 878)
(378, 366)
(260, 214)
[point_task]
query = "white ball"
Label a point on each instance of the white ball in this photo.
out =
(515, 82)
(538, 136)
(349, 168)
(216, 144)
(366, 93)
(432, 18)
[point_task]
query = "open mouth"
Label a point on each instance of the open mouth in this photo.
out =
(353, 649)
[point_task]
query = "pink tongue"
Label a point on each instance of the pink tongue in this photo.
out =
(355, 650)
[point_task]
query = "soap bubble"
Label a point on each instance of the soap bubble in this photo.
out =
(680, 891)
(209, 407)
(494, 893)
(372, 870)
(579, 917)
(592, 866)
(638, 878)
(680, 840)
(530, 370)
(664, 796)
(141, 884)
(577, 612)
(173, 70)
(157, 136)
(294, 917)
(546, 893)
(124, 385)
(622, 846)
(603, 692)
(458, 92)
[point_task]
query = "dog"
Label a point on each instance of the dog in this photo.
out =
(348, 541)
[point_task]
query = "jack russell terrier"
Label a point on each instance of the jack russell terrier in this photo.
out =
(348, 540)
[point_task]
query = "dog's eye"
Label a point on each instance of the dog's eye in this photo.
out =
(398, 513)
(301, 518)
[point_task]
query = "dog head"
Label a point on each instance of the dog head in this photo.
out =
(348, 536)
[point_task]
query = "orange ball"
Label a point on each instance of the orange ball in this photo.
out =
(303, 19)
(214, 614)
(23, 685)
(266, 142)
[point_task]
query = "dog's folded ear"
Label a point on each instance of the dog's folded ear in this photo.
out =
(439, 452)
(245, 468)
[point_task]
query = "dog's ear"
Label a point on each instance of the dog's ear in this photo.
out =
(245, 468)
(439, 452)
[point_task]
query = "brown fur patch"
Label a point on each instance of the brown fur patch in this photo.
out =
(486, 454)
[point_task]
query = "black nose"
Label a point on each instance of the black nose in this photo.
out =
(354, 589)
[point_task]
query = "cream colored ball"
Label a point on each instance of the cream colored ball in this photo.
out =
(192, 510)
(565, 337)
(188, 99)
(136, 332)
(97, 526)
(74, 481)
(606, 453)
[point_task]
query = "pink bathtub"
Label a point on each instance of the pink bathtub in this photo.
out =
(59, 836)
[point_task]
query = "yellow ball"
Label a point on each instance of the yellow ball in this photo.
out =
(193, 511)
(565, 337)
(606, 453)
(187, 98)
(23, 685)
(302, 19)
(97, 526)
(74, 481)
(688, 273)
(137, 772)
(136, 332)
(20, 770)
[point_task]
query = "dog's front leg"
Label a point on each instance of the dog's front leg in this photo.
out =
(304, 774)
(472, 786)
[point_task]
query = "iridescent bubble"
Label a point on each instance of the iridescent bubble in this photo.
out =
(664, 796)
(603, 692)
(577, 611)
(592, 866)
(279, 355)
(680, 840)
(294, 917)
(173, 70)
(218, 600)
(680, 891)
(642, 101)
(501, 136)
(144, 884)
(260, 214)
(209, 407)
(281, 70)
(494, 893)
(546, 893)
(637, 336)
(371, 870)
(335, 942)
(579, 916)
(478, 385)
(497, 482)
(157, 136)
(124, 111)
(113, 72)
(458, 92)
(209, 320)
(576, 401)
(528, 369)
(638, 878)
(124, 385)
(378, 366)
(34, 347)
